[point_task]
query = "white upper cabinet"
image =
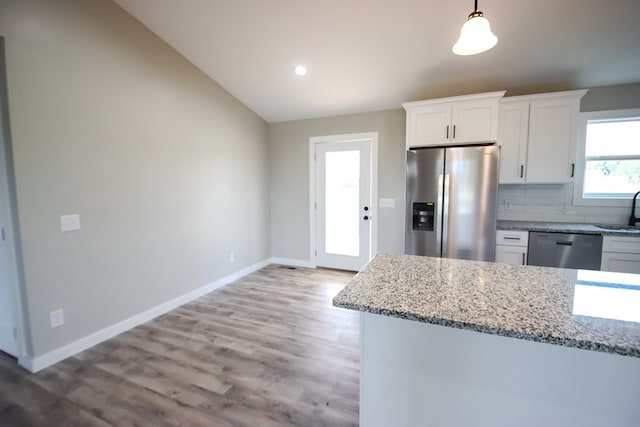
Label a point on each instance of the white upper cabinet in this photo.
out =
(512, 137)
(538, 136)
(456, 120)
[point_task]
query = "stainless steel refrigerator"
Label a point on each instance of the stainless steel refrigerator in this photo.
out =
(451, 203)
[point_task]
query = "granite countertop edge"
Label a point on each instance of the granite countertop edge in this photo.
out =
(445, 292)
(548, 339)
(560, 227)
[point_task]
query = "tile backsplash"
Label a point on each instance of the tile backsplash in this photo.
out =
(553, 203)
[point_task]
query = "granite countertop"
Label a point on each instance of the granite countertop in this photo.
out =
(558, 227)
(527, 302)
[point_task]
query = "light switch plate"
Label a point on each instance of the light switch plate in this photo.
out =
(69, 222)
(387, 203)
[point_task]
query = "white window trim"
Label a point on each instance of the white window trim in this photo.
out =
(583, 118)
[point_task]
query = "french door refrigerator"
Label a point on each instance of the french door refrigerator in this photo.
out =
(451, 203)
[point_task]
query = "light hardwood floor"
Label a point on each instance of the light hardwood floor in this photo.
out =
(266, 350)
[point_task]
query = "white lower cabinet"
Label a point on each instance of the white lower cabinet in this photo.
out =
(621, 254)
(511, 247)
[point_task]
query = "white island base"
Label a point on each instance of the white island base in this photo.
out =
(420, 374)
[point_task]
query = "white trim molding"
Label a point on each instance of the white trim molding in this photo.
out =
(35, 364)
(293, 262)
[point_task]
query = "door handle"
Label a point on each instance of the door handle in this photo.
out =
(438, 214)
(445, 216)
(564, 243)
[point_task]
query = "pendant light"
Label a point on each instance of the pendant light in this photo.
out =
(476, 35)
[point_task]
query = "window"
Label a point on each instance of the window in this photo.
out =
(608, 158)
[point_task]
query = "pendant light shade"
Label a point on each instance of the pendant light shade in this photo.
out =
(475, 36)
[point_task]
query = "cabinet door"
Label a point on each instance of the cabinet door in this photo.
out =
(512, 138)
(474, 121)
(552, 140)
(623, 244)
(516, 255)
(619, 262)
(429, 125)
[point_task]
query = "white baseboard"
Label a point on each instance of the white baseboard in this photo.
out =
(35, 364)
(293, 262)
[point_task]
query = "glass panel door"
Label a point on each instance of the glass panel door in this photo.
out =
(343, 196)
(342, 207)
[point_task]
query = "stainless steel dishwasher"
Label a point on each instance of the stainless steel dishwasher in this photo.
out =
(566, 250)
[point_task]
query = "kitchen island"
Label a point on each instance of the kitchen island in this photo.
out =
(449, 342)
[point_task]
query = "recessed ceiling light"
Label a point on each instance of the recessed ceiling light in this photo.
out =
(300, 70)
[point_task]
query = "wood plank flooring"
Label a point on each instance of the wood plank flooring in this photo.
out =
(266, 350)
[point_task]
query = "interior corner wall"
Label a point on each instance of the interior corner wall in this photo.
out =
(165, 168)
(289, 166)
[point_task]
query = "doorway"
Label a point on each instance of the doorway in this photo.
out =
(344, 191)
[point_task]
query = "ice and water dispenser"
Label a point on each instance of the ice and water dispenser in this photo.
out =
(423, 216)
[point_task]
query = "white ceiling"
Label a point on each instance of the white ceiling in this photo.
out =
(368, 55)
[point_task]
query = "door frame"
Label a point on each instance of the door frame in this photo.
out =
(8, 193)
(350, 137)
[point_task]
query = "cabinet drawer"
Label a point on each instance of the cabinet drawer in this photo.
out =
(516, 255)
(622, 263)
(620, 244)
(512, 238)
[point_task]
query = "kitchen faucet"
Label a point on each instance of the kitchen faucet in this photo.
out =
(632, 218)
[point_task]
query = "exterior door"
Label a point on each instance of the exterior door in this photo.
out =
(344, 209)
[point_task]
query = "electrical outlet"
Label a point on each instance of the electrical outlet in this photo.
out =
(232, 257)
(56, 318)
(507, 205)
(563, 206)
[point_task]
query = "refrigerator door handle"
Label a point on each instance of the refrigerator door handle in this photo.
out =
(438, 215)
(445, 215)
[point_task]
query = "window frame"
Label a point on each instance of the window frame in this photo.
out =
(583, 119)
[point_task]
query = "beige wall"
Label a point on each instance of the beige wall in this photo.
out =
(619, 97)
(289, 160)
(165, 168)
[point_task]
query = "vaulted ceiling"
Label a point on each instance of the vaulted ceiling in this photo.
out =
(368, 55)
